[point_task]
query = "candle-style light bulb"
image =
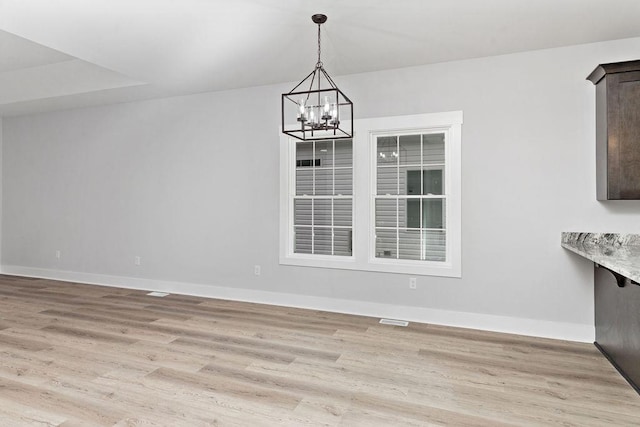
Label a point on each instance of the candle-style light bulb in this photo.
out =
(301, 109)
(326, 110)
(334, 115)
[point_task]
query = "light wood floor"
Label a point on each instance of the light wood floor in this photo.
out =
(81, 355)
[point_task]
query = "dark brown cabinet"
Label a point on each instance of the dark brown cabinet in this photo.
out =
(617, 130)
(617, 316)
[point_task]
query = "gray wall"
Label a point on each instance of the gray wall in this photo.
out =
(1, 152)
(190, 184)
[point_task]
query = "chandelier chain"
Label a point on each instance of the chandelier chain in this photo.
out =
(319, 63)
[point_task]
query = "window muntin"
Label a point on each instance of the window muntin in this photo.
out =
(410, 197)
(323, 199)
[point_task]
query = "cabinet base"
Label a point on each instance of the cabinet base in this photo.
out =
(620, 371)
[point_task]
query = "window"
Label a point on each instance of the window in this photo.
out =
(388, 200)
(410, 203)
(323, 199)
(431, 183)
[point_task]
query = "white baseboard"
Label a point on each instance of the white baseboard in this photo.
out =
(513, 325)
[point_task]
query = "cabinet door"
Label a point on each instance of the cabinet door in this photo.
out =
(623, 102)
(617, 314)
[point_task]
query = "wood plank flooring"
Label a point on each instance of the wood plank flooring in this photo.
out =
(80, 355)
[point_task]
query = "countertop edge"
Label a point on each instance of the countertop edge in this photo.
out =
(623, 258)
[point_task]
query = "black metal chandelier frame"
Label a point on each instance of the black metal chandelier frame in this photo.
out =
(322, 111)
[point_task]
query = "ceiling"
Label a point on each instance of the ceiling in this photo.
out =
(74, 53)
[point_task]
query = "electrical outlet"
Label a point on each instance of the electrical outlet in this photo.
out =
(137, 260)
(413, 283)
(256, 270)
(58, 254)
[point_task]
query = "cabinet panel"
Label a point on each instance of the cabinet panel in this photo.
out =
(629, 135)
(617, 316)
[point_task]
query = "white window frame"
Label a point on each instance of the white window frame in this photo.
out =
(363, 212)
(287, 193)
(333, 197)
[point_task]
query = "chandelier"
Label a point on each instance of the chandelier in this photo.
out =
(320, 112)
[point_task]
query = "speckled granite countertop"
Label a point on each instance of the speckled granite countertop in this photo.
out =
(617, 252)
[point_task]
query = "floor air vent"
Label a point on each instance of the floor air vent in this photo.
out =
(394, 322)
(157, 294)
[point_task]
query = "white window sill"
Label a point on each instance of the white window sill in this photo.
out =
(341, 262)
(417, 268)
